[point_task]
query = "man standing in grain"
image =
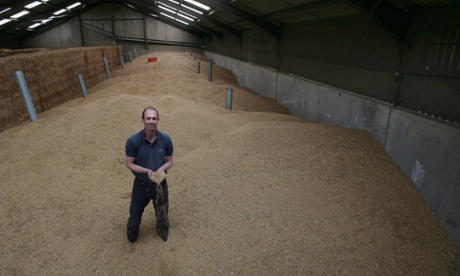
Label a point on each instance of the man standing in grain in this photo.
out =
(149, 157)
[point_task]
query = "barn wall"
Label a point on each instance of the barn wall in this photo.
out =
(63, 36)
(426, 148)
(112, 24)
(132, 50)
(355, 54)
(10, 43)
(232, 46)
(431, 64)
(421, 73)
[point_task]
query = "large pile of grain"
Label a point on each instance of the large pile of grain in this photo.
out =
(254, 191)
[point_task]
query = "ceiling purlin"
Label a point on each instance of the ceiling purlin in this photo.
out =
(148, 8)
(269, 27)
(205, 18)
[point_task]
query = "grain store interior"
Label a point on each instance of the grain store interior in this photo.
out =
(386, 68)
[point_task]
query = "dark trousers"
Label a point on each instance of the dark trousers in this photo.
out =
(141, 195)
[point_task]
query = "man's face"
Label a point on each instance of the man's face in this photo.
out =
(150, 119)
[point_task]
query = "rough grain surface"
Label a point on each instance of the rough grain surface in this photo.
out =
(253, 191)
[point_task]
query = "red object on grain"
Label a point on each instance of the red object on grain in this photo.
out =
(152, 59)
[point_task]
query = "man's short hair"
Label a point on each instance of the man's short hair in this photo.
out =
(151, 108)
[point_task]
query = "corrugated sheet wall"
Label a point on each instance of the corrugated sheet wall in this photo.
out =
(107, 23)
(63, 36)
(157, 30)
(431, 64)
(356, 54)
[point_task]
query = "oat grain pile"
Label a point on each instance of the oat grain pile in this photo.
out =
(253, 191)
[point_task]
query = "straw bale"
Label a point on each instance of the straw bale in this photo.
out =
(94, 66)
(59, 79)
(51, 76)
(13, 110)
(9, 52)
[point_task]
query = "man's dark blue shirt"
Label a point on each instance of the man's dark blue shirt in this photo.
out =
(149, 155)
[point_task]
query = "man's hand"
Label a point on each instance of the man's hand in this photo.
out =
(157, 177)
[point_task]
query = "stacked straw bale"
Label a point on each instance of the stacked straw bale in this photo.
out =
(52, 78)
(9, 52)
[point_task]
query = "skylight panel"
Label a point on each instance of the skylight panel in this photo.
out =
(192, 9)
(166, 9)
(74, 5)
(167, 15)
(187, 14)
(4, 21)
(47, 20)
(167, 6)
(175, 19)
(198, 4)
(5, 10)
(34, 25)
(60, 11)
(183, 22)
(19, 14)
(33, 5)
(184, 16)
(175, 2)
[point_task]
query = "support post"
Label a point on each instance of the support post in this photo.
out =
(130, 57)
(198, 67)
(26, 95)
(122, 62)
(106, 65)
(228, 102)
(82, 85)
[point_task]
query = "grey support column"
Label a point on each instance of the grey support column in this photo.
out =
(26, 95)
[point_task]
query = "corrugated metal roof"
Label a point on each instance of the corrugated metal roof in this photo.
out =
(24, 17)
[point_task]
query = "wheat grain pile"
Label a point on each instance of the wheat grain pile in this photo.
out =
(253, 191)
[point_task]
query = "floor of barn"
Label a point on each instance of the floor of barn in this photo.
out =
(253, 190)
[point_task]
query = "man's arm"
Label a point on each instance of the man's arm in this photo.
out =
(167, 165)
(139, 169)
(134, 167)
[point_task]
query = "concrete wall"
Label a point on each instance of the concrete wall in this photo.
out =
(427, 149)
(429, 152)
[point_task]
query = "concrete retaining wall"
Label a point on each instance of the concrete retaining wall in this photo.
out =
(427, 149)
